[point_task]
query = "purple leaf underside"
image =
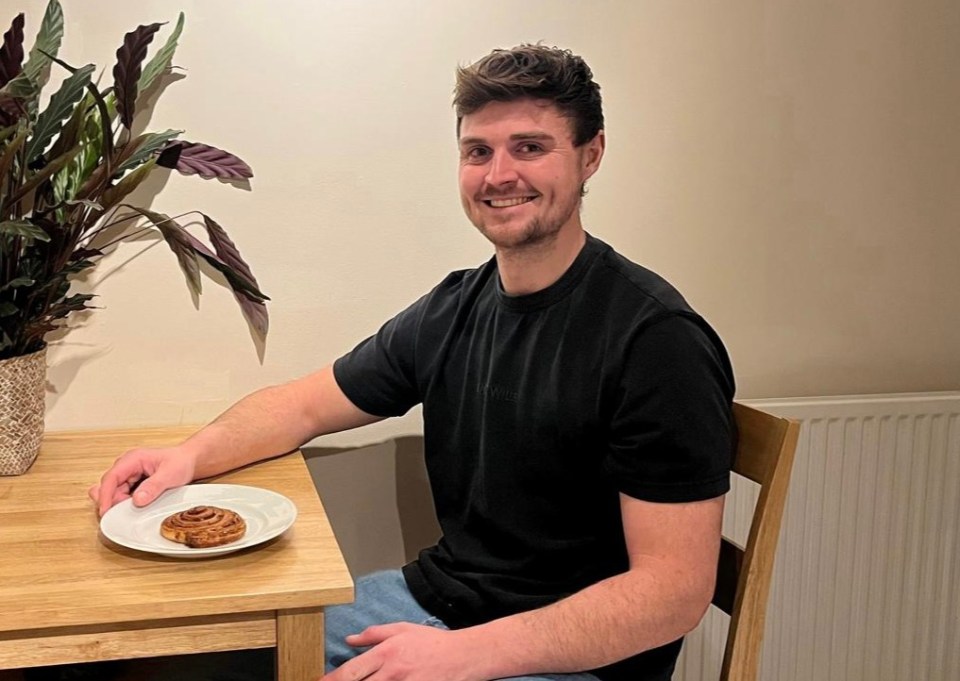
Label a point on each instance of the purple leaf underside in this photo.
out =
(126, 72)
(11, 53)
(208, 162)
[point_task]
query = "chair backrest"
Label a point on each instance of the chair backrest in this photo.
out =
(764, 454)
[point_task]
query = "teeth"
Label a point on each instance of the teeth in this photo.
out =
(506, 203)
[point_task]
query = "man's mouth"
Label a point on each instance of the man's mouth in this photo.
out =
(507, 203)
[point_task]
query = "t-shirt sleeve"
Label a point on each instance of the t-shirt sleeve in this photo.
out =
(672, 432)
(379, 374)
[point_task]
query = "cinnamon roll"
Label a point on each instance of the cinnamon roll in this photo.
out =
(202, 527)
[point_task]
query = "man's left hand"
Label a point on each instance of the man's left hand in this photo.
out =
(407, 652)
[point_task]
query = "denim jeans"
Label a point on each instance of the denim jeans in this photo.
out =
(383, 597)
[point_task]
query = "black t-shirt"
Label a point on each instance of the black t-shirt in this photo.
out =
(539, 410)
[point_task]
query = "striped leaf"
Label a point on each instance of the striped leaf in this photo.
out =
(161, 60)
(114, 195)
(253, 309)
(61, 106)
(145, 147)
(208, 162)
(11, 51)
(23, 228)
(16, 283)
(34, 181)
(178, 239)
(10, 153)
(21, 87)
(46, 45)
(126, 72)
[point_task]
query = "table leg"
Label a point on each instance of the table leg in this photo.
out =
(299, 645)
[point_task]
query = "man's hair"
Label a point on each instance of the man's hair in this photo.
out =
(535, 72)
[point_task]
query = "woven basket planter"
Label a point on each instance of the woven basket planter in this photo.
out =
(22, 385)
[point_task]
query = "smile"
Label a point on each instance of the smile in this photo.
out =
(506, 203)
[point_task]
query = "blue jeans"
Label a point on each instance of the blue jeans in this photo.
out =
(379, 598)
(383, 597)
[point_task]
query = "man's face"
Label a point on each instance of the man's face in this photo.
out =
(520, 174)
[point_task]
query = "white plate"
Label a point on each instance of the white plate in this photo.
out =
(266, 513)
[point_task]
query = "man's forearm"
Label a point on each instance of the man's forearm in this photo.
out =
(273, 421)
(646, 607)
(253, 429)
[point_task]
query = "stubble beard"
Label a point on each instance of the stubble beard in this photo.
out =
(539, 231)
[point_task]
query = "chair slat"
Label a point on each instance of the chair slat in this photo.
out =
(765, 450)
(760, 437)
(728, 574)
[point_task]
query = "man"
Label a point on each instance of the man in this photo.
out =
(577, 423)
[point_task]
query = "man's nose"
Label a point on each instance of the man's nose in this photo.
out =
(501, 170)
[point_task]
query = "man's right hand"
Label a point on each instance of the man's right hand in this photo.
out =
(143, 474)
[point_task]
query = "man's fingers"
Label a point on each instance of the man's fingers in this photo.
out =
(356, 669)
(378, 633)
(115, 484)
(149, 489)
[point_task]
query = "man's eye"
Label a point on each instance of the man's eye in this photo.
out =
(477, 153)
(530, 148)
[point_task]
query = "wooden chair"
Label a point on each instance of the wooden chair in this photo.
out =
(764, 454)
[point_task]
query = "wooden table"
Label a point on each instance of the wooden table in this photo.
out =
(67, 594)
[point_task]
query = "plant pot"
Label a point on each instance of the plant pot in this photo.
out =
(22, 385)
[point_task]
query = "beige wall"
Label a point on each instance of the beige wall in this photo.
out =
(793, 167)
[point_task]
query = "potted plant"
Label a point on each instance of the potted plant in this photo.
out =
(67, 169)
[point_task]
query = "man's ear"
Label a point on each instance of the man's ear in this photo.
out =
(593, 154)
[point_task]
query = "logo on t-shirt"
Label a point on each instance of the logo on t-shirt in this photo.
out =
(495, 392)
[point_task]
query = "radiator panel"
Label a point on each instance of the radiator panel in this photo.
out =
(867, 578)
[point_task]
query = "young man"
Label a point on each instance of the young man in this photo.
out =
(577, 423)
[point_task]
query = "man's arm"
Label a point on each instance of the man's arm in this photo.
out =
(673, 552)
(273, 421)
(264, 424)
(673, 556)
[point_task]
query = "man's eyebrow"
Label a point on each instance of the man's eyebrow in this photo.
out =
(536, 135)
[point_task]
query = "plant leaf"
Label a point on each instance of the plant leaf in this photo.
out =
(23, 228)
(46, 44)
(84, 202)
(251, 301)
(11, 52)
(7, 132)
(209, 162)
(146, 146)
(8, 309)
(10, 153)
(61, 106)
(15, 283)
(70, 133)
(34, 181)
(238, 282)
(113, 195)
(238, 276)
(21, 87)
(74, 303)
(126, 73)
(161, 60)
(240, 279)
(178, 239)
(10, 111)
(227, 251)
(105, 119)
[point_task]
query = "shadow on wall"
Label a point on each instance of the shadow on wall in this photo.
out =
(378, 500)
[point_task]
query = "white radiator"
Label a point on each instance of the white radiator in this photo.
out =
(866, 584)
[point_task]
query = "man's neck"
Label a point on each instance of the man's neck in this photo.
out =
(534, 267)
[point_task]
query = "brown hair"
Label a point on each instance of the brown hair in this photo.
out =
(538, 72)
